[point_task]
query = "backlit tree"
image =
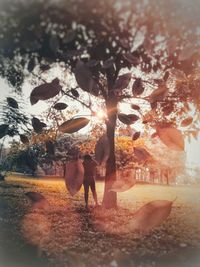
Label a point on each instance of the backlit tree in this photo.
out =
(140, 52)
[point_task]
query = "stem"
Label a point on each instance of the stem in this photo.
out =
(74, 98)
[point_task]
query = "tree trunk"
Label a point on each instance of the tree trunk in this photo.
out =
(110, 198)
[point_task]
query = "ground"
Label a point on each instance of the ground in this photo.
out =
(65, 234)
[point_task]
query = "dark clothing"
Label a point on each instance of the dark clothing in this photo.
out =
(89, 182)
(90, 185)
(89, 169)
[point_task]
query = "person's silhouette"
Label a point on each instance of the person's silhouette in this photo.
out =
(89, 172)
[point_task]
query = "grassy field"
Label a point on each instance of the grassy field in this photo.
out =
(65, 234)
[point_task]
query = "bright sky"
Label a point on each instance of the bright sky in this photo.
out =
(192, 149)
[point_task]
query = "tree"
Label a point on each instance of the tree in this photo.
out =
(23, 158)
(115, 54)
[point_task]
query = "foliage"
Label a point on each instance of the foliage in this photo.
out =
(24, 159)
(107, 50)
(14, 121)
(124, 146)
(98, 52)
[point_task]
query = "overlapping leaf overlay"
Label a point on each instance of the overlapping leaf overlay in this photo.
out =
(150, 215)
(171, 137)
(74, 176)
(45, 91)
(85, 79)
(73, 125)
(122, 185)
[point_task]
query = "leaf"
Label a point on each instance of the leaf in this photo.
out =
(123, 81)
(168, 109)
(50, 147)
(135, 136)
(54, 43)
(70, 36)
(108, 63)
(45, 91)
(127, 119)
(74, 176)
(131, 59)
(31, 65)
(60, 106)
(84, 79)
(171, 137)
(92, 63)
(159, 94)
(137, 87)
(3, 130)
(12, 102)
(151, 215)
(186, 122)
(141, 154)
(37, 125)
(178, 74)
(45, 67)
(166, 76)
(187, 52)
(154, 135)
(123, 184)
(73, 125)
(38, 200)
(136, 107)
(34, 196)
(24, 139)
(74, 92)
(102, 149)
(195, 134)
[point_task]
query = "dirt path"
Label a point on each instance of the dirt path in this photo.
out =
(65, 234)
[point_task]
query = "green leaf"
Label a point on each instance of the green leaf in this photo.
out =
(73, 125)
(12, 102)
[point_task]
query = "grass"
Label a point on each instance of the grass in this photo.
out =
(66, 234)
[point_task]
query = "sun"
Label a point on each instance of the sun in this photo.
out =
(101, 114)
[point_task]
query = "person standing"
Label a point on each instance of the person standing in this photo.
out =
(89, 182)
